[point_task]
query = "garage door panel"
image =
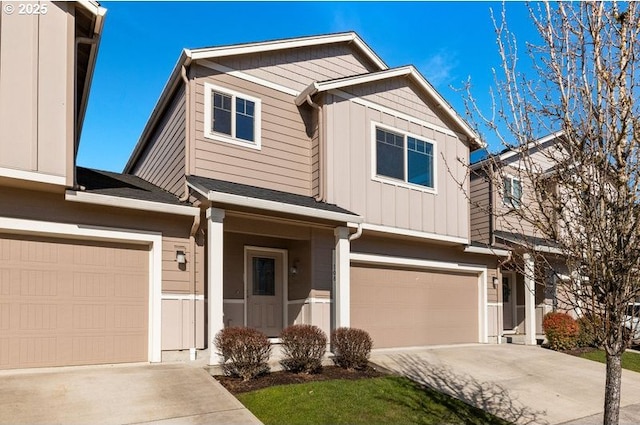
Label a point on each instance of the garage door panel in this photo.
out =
(414, 307)
(72, 302)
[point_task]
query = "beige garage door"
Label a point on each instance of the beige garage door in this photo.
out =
(401, 308)
(72, 303)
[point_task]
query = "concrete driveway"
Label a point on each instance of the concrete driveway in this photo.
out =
(161, 394)
(523, 384)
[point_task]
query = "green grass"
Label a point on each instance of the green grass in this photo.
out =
(386, 400)
(630, 361)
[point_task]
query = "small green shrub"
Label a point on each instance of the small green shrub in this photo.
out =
(245, 352)
(303, 347)
(561, 331)
(590, 331)
(352, 348)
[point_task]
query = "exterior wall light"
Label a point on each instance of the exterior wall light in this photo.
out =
(181, 257)
(495, 281)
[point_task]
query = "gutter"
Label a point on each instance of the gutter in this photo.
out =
(487, 251)
(135, 204)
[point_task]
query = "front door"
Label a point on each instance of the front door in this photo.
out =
(508, 302)
(264, 271)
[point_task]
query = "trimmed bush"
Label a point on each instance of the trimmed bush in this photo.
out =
(245, 352)
(590, 330)
(352, 348)
(561, 331)
(303, 347)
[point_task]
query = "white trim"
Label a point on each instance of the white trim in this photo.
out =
(311, 300)
(488, 251)
(397, 114)
(248, 77)
(481, 271)
(245, 201)
(285, 278)
(491, 304)
(414, 233)
(33, 176)
(183, 297)
(512, 152)
(405, 152)
(107, 234)
(232, 301)
(136, 204)
(215, 278)
(268, 46)
(342, 277)
(257, 118)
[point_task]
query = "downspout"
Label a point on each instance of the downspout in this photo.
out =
(192, 275)
(357, 234)
(321, 197)
(187, 134)
(76, 143)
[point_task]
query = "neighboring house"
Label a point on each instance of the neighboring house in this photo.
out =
(498, 189)
(290, 181)
(85, 256)
(328, 184)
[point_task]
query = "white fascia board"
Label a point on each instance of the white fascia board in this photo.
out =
(93, 7)
(510, 153)
(135, 204)
(32, 176)
(487, 251)
(415, 234)
(385, 260)
(245, 201)
(547, 249)
(268, 46)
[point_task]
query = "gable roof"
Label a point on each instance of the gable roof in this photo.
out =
(409, 72)
(189, 55)
(508, 153)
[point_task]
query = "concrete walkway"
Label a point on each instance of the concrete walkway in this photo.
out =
(127, 394)
(523, 384)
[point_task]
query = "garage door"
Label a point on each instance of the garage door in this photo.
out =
(402, 308)
(72, 303)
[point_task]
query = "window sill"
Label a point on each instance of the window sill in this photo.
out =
(232, 140)
(410, 186)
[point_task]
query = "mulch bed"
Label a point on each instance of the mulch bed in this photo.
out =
(237, 386)
(578, 351)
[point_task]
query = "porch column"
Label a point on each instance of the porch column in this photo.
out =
(215, 261)
(342, 289)
(529, 300)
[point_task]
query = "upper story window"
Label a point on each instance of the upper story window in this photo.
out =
(512, 195)
(231, 116)
(404, 157)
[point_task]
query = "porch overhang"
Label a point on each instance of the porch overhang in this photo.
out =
(533, 243)
(245, 196)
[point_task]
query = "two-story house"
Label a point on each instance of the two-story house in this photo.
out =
(503, 214)
(86, 257)
(329, 186)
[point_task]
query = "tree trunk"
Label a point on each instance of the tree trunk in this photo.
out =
(612, 389)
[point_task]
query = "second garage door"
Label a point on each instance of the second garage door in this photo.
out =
(72, 302)
(404, 308)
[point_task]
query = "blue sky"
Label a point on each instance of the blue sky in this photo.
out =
(447, 41)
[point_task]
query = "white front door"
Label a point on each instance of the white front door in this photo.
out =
(509, 302)
(265, 283)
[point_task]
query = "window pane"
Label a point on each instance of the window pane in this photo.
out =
(516, 193)
(389, 154)
(506, 195)
(221, 113)
(420, 166)
(264, 276)
(245, 119)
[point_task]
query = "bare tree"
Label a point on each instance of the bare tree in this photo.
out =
(578, 81)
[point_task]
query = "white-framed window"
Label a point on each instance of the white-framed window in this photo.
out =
(231, 117)
(403, 158)
(512, 193)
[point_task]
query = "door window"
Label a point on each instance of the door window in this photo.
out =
(264, 276)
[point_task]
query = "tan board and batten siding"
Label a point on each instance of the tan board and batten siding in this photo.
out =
(36, 82)
(350, 149)
(404, 308)
(163, 161)
(72, 303)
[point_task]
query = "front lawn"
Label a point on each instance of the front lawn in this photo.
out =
(630, 360)
(382, 400)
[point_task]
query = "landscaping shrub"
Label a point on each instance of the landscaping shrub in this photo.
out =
(590, 331)
(245, 352)
(303, 347)
(561, 331)
(351, 348)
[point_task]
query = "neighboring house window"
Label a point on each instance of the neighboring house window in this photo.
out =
(404, 157)
(512, 196)
(231, 116)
